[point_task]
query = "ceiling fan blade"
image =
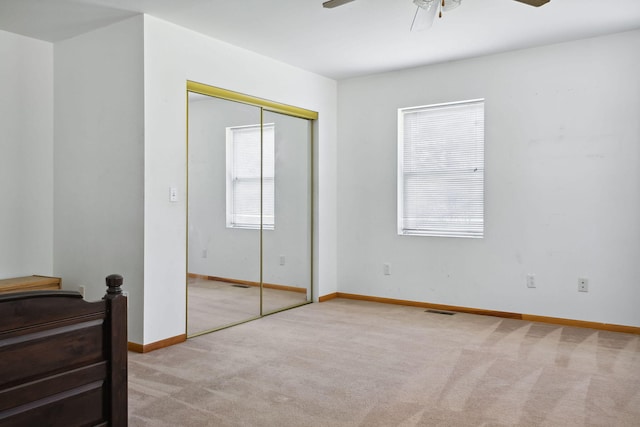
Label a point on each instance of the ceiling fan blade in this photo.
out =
(536, 3)
(335, 3)
(423, 18)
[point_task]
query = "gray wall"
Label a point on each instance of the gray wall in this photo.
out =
(26, 156)
(99, 162)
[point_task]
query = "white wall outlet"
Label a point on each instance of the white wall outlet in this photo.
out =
(583, 284)
(81, 289)
(386, 269)
(173, 194)
(205, 253)
(282, 260)
(531, 281)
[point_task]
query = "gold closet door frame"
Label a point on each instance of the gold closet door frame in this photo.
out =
(264, 105)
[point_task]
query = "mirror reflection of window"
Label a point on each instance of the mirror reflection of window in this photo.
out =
(248, 177)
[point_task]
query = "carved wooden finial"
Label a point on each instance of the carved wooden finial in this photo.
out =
(114, 283)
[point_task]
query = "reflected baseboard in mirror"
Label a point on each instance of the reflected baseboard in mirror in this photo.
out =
(228, 301)
(298, 289)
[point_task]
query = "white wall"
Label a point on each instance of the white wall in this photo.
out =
(26, 156)
(174, 55)
(99, 164)
(562, 184)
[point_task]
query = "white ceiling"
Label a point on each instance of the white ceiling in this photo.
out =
(358, 38)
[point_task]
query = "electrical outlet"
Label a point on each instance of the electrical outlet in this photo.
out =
(282, 259)
(386, 268)
(583, 284)
(531, 281)
(205, 253)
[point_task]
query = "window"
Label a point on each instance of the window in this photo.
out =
(244, 170)
(441, 170)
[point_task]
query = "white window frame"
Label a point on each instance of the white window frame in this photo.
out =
(441, 181)
(264, 213)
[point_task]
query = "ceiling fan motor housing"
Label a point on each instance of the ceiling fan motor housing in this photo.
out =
(536, 3)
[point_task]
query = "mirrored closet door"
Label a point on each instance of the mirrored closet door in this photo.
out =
(249, 208)
(286, 254)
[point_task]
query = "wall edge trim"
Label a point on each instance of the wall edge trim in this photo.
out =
(146, 348)
(328, 297)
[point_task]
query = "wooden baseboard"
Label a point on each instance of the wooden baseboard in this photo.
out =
(504, 314)
(249, 283)
(328, 297)
(146, 348)
(583, 324)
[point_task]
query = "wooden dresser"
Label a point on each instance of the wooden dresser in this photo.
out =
(29, 283)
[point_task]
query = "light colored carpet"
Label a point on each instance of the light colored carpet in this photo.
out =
(354, 363)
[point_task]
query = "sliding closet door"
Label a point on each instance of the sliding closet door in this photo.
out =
(224, 185)
(286, 244)
(249, 207)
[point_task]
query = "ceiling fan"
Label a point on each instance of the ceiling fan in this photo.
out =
(427, 9)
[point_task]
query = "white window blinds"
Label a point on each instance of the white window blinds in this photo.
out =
(441, 170)
(244, 183)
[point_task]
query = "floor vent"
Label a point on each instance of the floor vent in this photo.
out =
(448, 313)
(241, 286)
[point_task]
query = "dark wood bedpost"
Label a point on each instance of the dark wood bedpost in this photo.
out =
(117, 330)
